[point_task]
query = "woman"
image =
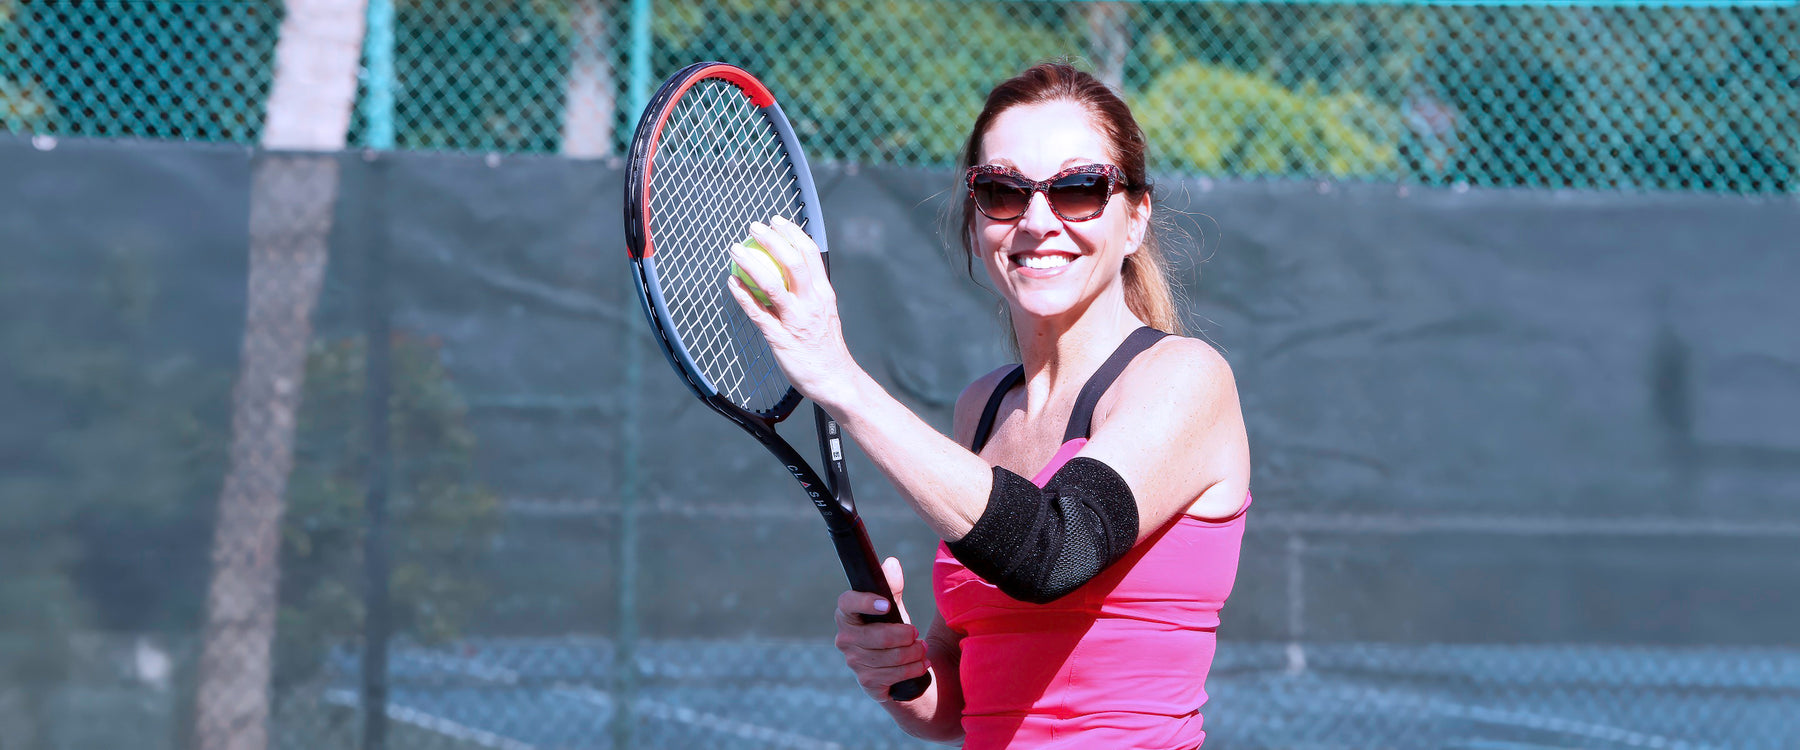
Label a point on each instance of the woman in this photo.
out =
(1075, 608)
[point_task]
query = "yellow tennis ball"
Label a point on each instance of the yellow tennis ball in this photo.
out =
(762, 297)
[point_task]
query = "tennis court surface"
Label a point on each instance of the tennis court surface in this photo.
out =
(559, 693)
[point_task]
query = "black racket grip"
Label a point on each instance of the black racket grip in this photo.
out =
(864, 571)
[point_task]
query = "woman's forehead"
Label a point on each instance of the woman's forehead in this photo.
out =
(1040, 139)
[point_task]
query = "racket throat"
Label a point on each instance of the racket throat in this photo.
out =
(832, 445)
(838, 516)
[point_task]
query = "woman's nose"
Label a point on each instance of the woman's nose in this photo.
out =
(1039, 219)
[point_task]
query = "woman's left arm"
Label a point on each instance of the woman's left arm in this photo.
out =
(1172, 428)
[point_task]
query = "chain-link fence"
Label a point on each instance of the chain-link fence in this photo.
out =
(1532, 497)
(1523, 461)
(1682, 96)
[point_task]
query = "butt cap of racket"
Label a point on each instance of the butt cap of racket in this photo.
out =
(910, 689)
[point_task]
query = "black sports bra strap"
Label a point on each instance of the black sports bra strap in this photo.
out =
(1081, 418)
(986, 425)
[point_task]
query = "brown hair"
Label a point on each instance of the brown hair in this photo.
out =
(1147, 289)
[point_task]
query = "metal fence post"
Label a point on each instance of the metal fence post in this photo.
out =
(624, 651)
(378, 112)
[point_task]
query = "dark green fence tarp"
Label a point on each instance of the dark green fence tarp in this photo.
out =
(1476, 417)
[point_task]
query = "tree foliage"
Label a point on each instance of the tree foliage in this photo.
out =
(868, 81)
(1202, 118)
(1696, 97)
(24, 107)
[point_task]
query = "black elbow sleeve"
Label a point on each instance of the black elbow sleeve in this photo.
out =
(1037, 545)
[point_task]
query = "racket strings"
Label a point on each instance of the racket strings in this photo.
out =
(719, 166)
(726, 157)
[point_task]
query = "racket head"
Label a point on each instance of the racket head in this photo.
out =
(712, 153)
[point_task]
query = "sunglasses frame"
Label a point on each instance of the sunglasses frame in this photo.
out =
(1115, 182)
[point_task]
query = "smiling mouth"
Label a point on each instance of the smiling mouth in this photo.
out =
(1042, 261)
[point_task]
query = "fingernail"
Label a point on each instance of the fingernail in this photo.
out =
(780, 220)
(881, 606)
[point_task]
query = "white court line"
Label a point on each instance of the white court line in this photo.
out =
(1564, 726)
(465, 665)
(710, 722)
(1522, 719)
(434, 723)
(642, 706)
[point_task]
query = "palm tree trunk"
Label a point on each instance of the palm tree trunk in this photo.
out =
(291, 201)
(1109, 41)
(588, 107)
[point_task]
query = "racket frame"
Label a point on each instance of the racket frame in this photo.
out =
(830, 492)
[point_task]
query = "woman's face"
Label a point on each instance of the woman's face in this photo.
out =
(1045, 266)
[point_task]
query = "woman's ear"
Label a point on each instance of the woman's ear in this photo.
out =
(1139, 226)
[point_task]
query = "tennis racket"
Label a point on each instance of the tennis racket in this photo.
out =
(713, 153)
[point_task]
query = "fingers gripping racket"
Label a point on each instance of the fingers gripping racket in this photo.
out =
(713, 153)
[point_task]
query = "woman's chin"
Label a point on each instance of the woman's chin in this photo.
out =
(1042, 306)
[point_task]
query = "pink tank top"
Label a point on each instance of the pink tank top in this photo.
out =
(1120, 662)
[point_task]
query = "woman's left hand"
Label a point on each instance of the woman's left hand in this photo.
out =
(801, 324)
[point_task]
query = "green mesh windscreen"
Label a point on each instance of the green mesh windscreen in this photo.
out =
(1679, 96)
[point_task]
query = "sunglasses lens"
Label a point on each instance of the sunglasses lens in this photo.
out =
(1080, 196)
(1000, 197)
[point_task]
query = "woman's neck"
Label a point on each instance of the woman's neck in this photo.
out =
(1061, 353)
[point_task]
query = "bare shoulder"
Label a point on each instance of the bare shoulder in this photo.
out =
(1181, 368)
(970, 403)
(1180, 384)
(1176, 426)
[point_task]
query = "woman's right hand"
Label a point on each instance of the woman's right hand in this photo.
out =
(880, 653)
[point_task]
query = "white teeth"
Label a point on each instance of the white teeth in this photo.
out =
(1044, 261)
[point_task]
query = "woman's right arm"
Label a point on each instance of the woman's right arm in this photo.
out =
(882, 654)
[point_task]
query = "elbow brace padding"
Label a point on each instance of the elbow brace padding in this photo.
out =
(1037, 545)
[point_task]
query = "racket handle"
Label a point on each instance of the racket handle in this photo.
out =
(864, 571)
